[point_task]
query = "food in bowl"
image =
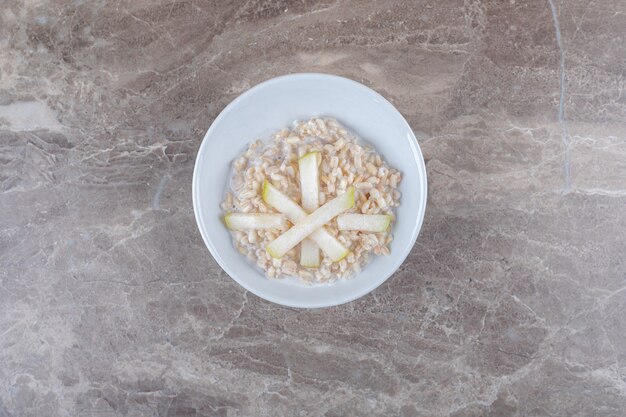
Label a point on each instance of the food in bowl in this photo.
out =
(314, 202)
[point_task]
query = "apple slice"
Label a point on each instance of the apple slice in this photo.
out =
(309, 188)
(364, 222)
(285, 242)
(327, 242)
(249, 221)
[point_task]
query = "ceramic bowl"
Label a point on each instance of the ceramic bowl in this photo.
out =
(277, 103)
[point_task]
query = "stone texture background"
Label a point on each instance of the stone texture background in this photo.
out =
(512, 302)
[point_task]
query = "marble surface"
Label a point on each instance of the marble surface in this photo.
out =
(512, 302)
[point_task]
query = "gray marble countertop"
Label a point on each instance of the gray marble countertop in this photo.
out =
(512, 302)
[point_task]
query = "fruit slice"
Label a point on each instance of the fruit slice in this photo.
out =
(327, 242)
(248, 221)
(309, 187)
(285, 242)
(364, 222)
(309, 181)
(282, 203)
(309, 254)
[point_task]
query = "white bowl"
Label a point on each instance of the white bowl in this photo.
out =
(277, 103)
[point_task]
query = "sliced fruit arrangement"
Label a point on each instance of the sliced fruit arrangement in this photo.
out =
(308, 220)
(288, 240)
(279, 201)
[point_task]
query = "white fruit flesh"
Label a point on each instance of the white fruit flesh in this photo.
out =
(309, 181)
(309, 187)
(309, 254)
(249, 221)
(285, 242)
(327, 242)
(364, 222)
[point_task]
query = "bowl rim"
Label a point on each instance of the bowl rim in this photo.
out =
(335, 301)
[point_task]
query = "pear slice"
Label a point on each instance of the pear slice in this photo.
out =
(327, 242)
(309, 254)
(309, 181)
(285, 242)
(249, 221)
(364, 222)
(282, 203)
(309, 187)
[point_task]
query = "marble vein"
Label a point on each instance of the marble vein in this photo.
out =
(565, 136)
